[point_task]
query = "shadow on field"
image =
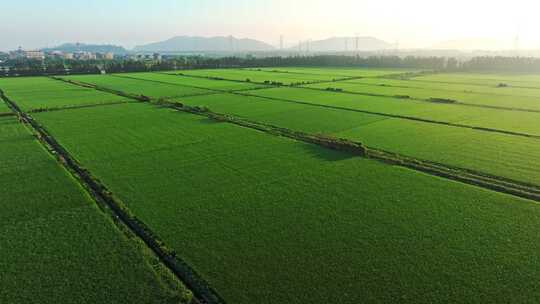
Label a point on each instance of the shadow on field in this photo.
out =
(326, 154)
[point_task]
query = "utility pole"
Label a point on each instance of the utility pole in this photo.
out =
(281, 43)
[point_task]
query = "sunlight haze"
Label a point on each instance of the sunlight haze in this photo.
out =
(412, 24)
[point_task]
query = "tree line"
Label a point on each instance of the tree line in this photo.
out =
(25, 67)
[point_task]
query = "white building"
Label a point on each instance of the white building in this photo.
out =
(20, 53)
(34, 55)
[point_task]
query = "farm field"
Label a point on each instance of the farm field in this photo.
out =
(511, 121)
(247, 210)
(34, 93)
(486, 79)
(338, 72)
(54, 241)
(222, 85)
(482, 96)
(263, 218)
(4, 108)
(136, 86)
(259, 76)
(470, 88)
(472, 149)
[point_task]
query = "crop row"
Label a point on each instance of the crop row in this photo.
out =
(248, 210)
(505, 121)
(57, 245)
(466, 148)
(33, 93)
(485, 79)
(458, 147)
(470, 94)
(337, 72)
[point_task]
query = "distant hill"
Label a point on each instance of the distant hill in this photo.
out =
(340, 44)
(94, 48)
(201, 44)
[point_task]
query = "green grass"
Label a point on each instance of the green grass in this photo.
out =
(497, 154)
(56, 245)
(340, 72)
(40, 92)
(513, 121)
(258, 76)
(478, 95)
(134, 86)
(4, 108)
(222, 85)
(465, 87)
(269, 220)
(486, 79)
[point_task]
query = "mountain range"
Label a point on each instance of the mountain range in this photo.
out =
(204, 44)
(185, 44)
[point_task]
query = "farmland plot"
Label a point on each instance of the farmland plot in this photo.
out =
(340, 72)
(258, 76)
(4, 108)
(56, 246)
(425, 90)
(512, 121)
(40, 92)
(485, 79)
(134, 86)
(497, 154)
(221, 85)
(270, 220)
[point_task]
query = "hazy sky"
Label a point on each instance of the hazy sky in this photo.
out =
(414, 23)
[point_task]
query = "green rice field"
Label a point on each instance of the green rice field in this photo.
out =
(487, 152)
(265, 218)
(521, 99)
(248, 209)
(56, 242)
(34, 93)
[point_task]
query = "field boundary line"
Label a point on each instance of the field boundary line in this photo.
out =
(470, 177)
(466, 83)
(408, 97)
(300, 86)
(270, 84)
(397, 74)
(467, 176)
(74, 107)
(188, 86)
(202, 291)
(395, 116)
